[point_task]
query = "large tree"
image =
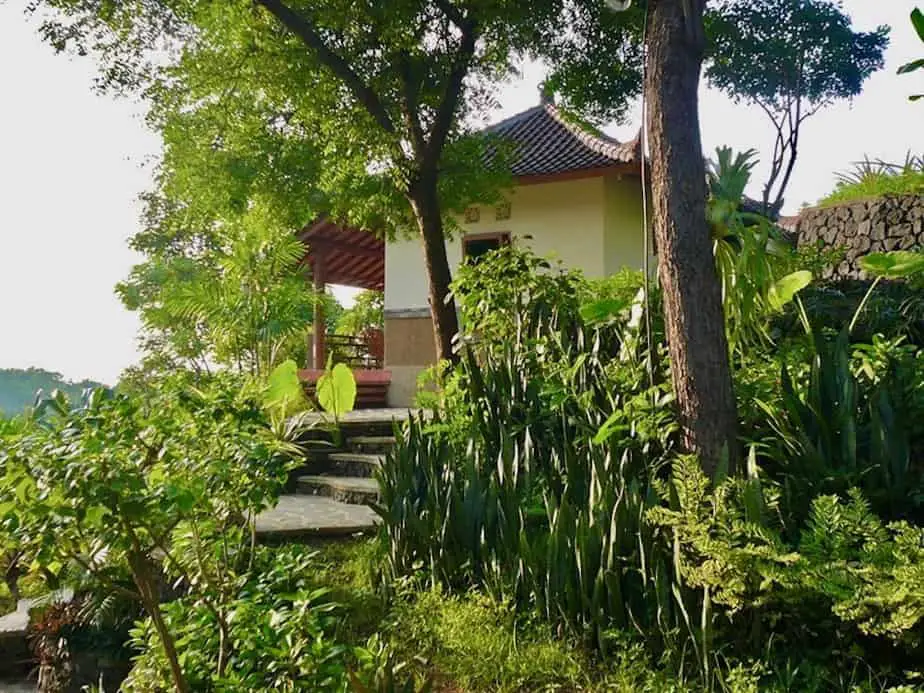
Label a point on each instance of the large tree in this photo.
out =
(379, 90)
(675, 42)
(791, 58)
(697, 343)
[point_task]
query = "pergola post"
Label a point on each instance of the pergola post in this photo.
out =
(319, 330)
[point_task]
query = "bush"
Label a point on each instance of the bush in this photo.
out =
(281, 635)
(558, 490)
(875, 178)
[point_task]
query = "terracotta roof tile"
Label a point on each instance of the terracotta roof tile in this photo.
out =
(545, 142)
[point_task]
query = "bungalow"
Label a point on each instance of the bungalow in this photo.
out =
(576, 194)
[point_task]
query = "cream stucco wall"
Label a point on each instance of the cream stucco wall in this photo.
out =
(624, 245)
(592, 224)
(565, 219)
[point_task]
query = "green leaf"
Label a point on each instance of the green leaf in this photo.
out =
(285, 393)
(603, 310)
(610, 426)
(96, 514)
(337, 390)
(911, 67)
(23, 490)
(917, 20)
(785, 289)
(897, 264)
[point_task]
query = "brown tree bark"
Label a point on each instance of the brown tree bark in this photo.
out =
(424, 199)
(695, 325)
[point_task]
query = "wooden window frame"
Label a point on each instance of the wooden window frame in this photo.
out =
(503, 238)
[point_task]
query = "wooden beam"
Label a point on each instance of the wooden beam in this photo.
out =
(327, 245)
(623, 169)
(318, 329)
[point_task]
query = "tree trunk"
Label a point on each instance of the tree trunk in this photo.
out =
(425, 202)
(143, 575)
(695, 325)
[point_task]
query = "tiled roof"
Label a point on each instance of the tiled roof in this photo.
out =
(545, 142)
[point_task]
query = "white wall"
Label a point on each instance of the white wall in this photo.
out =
(565, 218)
(623, 238)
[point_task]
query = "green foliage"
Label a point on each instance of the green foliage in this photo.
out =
(367, 313)
(280, 625)
(750, 253)
(836, 430)
(336, 390)
(530, 506)
(285, 393)
(876, 178)
(549, 481)
(480, 645)
(245, 301)
(897, 264)
(115, 487)
(917, 21)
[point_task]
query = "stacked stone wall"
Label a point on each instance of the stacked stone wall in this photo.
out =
(869, 226)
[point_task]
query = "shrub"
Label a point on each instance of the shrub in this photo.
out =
(130, 485)
(875, 178)
(559, 491)
(281, 635)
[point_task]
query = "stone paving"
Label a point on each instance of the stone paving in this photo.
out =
(358, 416)
(305, 516)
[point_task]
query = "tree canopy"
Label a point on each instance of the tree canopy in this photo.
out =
(361, 103)
(791, 58)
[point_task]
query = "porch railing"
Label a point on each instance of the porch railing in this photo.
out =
(356, 351)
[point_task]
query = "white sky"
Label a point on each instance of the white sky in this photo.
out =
(71, 170)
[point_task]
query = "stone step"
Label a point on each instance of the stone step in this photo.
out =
(353, 464)
(351, 490)
(371, 444)
(362, 422)
(297, 517)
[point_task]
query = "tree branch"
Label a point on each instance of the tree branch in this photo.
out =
(411, 107)
(308, 33)
(446, 112)
(455, 15)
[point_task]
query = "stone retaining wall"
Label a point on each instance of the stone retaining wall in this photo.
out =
(868, 226)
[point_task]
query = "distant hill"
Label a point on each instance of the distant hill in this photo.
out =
(18, 387)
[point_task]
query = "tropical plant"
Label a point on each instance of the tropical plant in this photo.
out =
(750, 253)
(281, 630)
(838, 431)
(248, 297)
(875, 178)
(122, 484)
(555, 435)
(917, 21)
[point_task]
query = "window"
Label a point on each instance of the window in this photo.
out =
(475, 246)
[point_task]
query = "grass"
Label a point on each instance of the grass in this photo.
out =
(470, 642)
(870, 179)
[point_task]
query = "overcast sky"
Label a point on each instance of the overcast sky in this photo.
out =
(72, 165)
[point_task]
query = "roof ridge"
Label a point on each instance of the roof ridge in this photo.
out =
(522, 115)
(623, 152)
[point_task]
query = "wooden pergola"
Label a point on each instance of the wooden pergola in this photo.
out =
(339, 254)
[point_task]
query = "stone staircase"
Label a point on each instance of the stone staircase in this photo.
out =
(346, 474)
(331, 493)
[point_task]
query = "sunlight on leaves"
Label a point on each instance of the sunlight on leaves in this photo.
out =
(337, 390)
